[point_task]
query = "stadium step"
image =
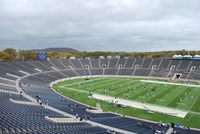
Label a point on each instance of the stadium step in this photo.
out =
(169, 131)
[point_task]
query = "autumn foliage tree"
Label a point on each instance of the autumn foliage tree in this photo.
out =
(5, 56)
(12, 53)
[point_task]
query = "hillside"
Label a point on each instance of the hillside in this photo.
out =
(60, 49)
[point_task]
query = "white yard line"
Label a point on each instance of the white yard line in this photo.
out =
(83, 82)
(175, 96)
(194, 102)
(169, 83)
(63, 87)
(187, 100)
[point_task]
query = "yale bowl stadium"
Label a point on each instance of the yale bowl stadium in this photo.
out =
(100, 96)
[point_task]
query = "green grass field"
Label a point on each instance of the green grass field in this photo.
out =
(174, 96)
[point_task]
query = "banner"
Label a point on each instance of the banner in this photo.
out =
(41, 56)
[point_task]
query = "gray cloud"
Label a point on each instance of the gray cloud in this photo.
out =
(116, 25)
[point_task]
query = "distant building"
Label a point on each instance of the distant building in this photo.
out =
(72, 57)
(101, 57)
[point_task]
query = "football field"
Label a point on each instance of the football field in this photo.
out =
(175, 95)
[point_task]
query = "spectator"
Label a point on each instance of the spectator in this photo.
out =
(21, 94)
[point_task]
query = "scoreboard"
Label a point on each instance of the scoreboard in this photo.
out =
(41, 56)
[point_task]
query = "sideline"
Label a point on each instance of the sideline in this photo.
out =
(139, 105)
(169, 83)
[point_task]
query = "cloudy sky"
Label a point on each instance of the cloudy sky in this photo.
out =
(92, 25)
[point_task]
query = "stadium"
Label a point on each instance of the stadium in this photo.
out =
(100, 95)
(99, 67)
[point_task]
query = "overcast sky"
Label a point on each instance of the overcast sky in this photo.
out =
(93, 25)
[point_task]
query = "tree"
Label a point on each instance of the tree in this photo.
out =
(12, 52)
(29, 55)
(5, 56)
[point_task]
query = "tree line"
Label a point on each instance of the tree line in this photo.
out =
(11, 54)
